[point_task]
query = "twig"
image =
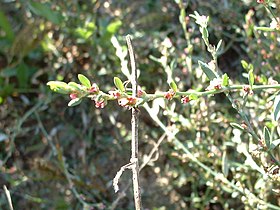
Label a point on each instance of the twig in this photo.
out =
(155, 148)
(122, 194)
(8, 195)
(134, 129)
(118, 176)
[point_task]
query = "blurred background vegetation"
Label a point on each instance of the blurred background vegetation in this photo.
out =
(55, 157)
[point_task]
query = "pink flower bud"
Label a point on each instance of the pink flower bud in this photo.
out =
(94, 88)
(100, 104)
(116, 94)
(140, 93)
(170, 94)
(73, 96)
(261, 1)
(131, 100)
(127, 102)
(215, 84)
(185, 99)
(247, 89)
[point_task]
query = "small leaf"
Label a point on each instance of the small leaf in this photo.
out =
(219, 45)
(75, 102)
(275, 143)
(266, 135)
(225, 164)
(250, 67)
(205, 33)
(114, 26)
(207, 70)
(244, 64)
(75, 86)
(235, 125)
(59, 87)
(84, 80)
(251, 78)
(173, 86)
(193, 96)
(276, 108)
(225, 80)
(119, 84)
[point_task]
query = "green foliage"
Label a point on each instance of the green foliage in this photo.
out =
(45, 11)
(207, 70)
(251, 78)
(119, 84)
(173, 86)
(267, 137)
(225, 80)
(84, 80)
(6, 26)
(62, 87)
(75, 102)
(276, 108)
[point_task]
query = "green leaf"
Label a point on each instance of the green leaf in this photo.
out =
(265, 29)
(59, 87)
(244, 64)
(225, 80)
(225, 164)
(193, 96)
(173, 86)
(275, 143)
(86, 31)
(45, 11)
(235, 125)
(266, 135)
(6, 26)
(276, 108)
(75, 86)
(113, 27)
(204, 33)
(219, 45)
(75, 102)
(207, 70)
(119, 84)
(84, 80)
(251, 78)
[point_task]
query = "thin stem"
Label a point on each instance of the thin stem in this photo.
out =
(150, 97)
(134, 127)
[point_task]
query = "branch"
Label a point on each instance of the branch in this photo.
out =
(134, 129)
(8, 195)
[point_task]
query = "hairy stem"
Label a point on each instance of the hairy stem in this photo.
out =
(134, 127)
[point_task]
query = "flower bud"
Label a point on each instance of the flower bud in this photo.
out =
(116, 94)
(100, 104)
(127, 102)
(73, 96)
(94, 88)
(185, 99)
(170, 94)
